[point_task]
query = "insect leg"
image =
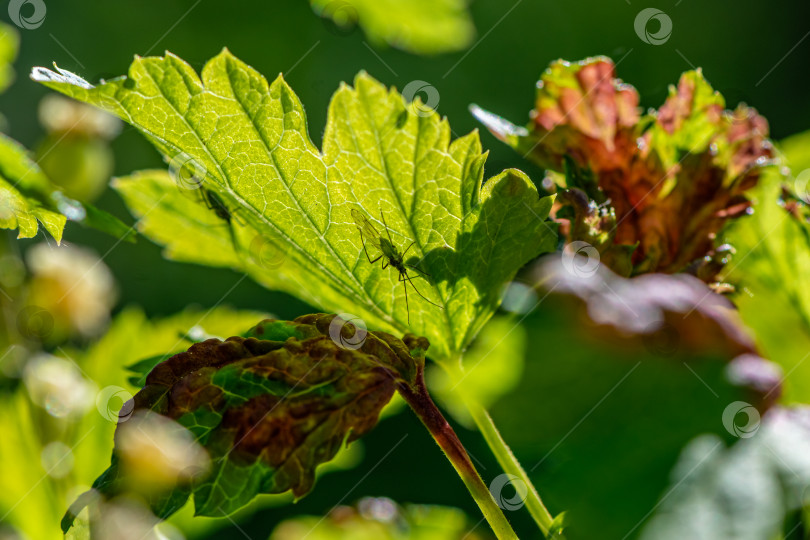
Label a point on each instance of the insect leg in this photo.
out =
(420, 294)
(407, 307)
(364, 249)
(418, 270)
(236, 217)
(412, 266)
(205, 200)
(407, 248)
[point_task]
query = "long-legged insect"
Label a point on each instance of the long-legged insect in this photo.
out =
(393, 256)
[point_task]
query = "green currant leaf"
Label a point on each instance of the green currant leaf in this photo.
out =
(421, 521)
(418, 26)
(9, 46)
(268, 409)
(768, 272)
(28, 197)
(232, 134)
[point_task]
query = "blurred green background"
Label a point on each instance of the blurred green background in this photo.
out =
(754, 52)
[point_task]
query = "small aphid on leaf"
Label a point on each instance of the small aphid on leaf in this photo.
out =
(215, 203)
(393, 256)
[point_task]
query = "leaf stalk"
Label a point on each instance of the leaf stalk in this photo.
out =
(420, 401)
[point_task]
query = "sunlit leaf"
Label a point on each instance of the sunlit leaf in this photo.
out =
(380, 518)
(418, 26)
(9, 45)
(27, 198)
(236, 135)
(769, 272)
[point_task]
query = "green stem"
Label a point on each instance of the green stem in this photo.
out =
(419, 400)
(506, 459)
(510, 464)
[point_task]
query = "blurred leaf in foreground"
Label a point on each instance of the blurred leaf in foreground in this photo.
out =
(752, 490)
(796, 151)
(233, 135)
(770, 269)
(27, 196)
(34, 499)
(379, 518)
(9, 45)
(772, 296)
(417, 26)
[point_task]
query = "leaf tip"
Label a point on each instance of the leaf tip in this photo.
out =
(58, 75)
(502, 129)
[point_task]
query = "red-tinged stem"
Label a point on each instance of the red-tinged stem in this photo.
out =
(418, 398)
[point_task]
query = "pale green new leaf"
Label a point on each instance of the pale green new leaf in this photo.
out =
(27, 196)
(22, 199)
(9, 45)
(192, 233)
(247, 141)
(769, 271)
(189, 230)
(418, 26)
(796, 151)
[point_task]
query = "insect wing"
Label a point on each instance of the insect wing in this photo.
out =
(367, 230)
